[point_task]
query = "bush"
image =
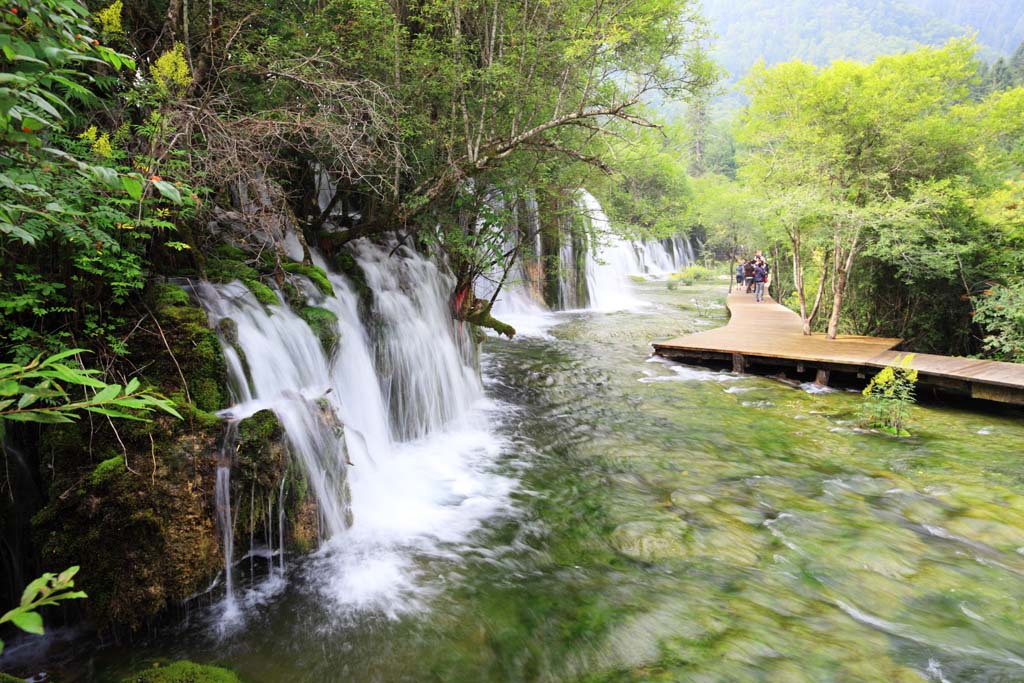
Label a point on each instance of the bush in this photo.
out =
(1000, 313)
(888, 397)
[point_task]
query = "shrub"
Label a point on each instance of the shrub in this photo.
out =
(1000, 313)
(888, 397)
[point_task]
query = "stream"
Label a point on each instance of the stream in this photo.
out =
(613, 517)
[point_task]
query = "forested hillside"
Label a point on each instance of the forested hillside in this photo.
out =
(819, 32)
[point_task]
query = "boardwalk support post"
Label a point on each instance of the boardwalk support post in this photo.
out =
(738, 362)
(821, 379)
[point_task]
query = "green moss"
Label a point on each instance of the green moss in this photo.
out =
(7, 678)
(315, 274)
(265, 295)
(228, 263)
(293, 297)
(482, 317)
(107, 469)
(195, 348)
(170, 295)
(323, 323)
(257, 430)
(183, 672)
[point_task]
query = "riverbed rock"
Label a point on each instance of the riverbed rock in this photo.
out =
(651, 541)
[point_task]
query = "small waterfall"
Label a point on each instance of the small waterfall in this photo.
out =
(225, 520)
(387, 426)
(617, 260)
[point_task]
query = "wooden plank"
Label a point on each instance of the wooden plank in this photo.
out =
(767, 330)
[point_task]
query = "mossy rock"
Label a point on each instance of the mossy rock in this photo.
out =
(324, 324)
(194, 346)
(221, 269)
(152, 518)
(106, 470)
(265, 295)
(315, 274)
(294, 299)
(262, 461)
(184, 672)
(144, 492)
(7, 678)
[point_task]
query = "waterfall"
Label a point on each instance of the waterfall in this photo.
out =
(617, 260)
(225, 521)
(389, 427)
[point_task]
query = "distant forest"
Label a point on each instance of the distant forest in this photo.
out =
(819, 32)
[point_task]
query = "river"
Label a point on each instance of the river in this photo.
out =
(647, 521)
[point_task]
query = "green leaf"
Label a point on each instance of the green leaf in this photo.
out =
(77, 377)
(113, 413)
(67, 575)
(50, 360)
(168, 190)
(132, 186)
(107, 394)
(30, 622)
(41, 416)
(33, 589)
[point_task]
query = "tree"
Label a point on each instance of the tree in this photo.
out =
(860, 138)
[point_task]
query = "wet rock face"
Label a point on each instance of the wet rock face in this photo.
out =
(148, 511)
(141, 491)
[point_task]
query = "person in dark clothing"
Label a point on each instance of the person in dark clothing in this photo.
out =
(748, 275)
(760, 277)
(739, 273)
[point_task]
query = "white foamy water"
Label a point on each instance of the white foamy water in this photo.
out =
(391, 427)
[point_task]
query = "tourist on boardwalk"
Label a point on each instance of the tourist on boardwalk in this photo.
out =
(760, 276)
(739, 273)
(748, 275)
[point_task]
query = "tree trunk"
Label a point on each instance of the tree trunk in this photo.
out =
(842, 279)
(819, 295)
(798, 280)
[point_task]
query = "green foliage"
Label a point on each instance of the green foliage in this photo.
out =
(649, 195)
(888, 397)
(860, 30)
(183, 672)
(77, 218)
(48, 589)
(35, 393)
(884, 182)
(693, 273)
(999, 311)
(170, 71)
(110, 18)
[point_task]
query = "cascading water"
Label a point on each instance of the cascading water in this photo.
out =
(608, 274)
(225, 521)
(608, 268)
(402, 403)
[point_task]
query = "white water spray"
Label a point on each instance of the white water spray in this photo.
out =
(398, 398)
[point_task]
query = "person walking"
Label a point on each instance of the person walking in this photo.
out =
(748, 275)
(760, 276)
(739, 273)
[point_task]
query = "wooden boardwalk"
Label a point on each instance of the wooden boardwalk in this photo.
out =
(768, 335)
